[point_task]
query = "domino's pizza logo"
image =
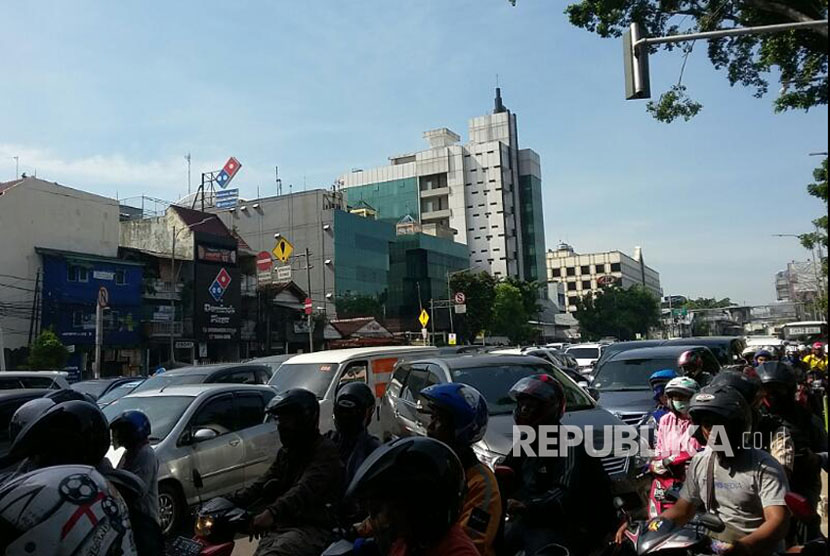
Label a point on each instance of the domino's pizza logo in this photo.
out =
(220, 285)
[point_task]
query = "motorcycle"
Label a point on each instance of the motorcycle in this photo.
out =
(665, 487)
(217, 523)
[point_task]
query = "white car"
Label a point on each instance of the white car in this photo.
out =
(586, 355)
(13, 380)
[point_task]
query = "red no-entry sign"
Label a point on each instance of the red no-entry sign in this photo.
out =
(263, 261)
(307, 305)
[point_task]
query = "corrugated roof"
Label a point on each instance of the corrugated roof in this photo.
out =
(203, 222)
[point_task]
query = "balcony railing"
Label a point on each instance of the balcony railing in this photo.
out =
(163, 328)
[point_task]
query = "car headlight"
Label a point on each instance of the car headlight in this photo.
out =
(203, 526)
(487, 457)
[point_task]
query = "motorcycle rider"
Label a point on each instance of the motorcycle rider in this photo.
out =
(743, 485)
(816, 360)
(459, 420)
(658, 381)
(762, 356)
(131, 430)
(806, 430)
(354, 406)
(413, 488)
(673, 437)
(563, 499)
(302, 485)
(690, 364)
(70, 507)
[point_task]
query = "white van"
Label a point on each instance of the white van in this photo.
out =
(323, 372)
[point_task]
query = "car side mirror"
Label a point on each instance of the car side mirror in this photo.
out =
(204, 434)
(593, 392)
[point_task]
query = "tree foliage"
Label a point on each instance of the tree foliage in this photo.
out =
(479, 288)
(708, 303)
(510, 314)
(47, 353)
(798, 57)
(818, 237)
(618, 312)
(351, 306)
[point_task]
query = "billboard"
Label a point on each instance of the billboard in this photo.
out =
(217, 293)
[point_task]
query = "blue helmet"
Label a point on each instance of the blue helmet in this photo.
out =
(658, 381)
(131, 427)
(467, 407)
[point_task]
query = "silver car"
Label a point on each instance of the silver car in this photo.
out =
(210, 440)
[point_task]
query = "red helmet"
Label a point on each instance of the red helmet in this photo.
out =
(690, 360)
(818, 345)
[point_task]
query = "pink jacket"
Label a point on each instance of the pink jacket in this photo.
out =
(673, 437)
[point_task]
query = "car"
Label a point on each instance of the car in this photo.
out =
(119, 391)
(622, 379)
(401, 410)
(617, 347)
(560, 360)
(210, 440)
(323, 372)
(586, 355)
(727, 349)
(226, 373)
(12, 380)
(273, 361)
(10, 400)
(97, 387)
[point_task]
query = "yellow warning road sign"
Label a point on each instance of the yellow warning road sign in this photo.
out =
(423, 318)
(282, 250)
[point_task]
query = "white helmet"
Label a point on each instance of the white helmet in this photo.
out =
(683, 385)
(62, 510)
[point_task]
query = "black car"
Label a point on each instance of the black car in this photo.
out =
(10, 400)
(725, 348)
(97, 387)
(226, 373)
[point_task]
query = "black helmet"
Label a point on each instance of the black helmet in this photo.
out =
(295, 400)
(419, 475)
(27, 413)
(355, 395)
(746, 385)
(68, 394)
(73, 432)
(777, 372)
(722, 405)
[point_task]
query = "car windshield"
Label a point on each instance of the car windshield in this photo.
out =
(495, 381)
(314, 377)
(584, 353)
(119, 392)
(162, 411)
(92, 387)
(163, 380)
(630, 374)
(15, 382)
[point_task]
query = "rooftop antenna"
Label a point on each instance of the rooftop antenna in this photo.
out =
(187, 157)
(278, 180)
(16, 167)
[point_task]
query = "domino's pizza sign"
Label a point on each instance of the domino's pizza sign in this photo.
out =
(227, 172)
(220, 285)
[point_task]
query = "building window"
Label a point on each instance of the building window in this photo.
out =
(586, 284)
(555, 272)
(77, 319)
(120, 277)
(571, 286)
(585, 269)
(570, 271)
(77, 274)
(615, 267)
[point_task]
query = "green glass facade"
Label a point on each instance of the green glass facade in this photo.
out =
(423, 260)
(361, 251)
(533, 228)
(391, 199)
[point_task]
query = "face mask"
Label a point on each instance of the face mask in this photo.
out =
(680, 406)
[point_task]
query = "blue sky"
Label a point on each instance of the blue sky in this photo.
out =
(108, 97)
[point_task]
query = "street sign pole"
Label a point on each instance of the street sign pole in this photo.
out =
(99, 340)
(308, 276)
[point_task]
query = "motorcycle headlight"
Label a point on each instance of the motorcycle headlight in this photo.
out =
(204, 525)
(485, 456)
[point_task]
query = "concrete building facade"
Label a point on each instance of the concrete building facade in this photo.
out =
(489, 192)
(584, 273)
(40, 213)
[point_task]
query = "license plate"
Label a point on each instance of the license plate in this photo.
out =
(184, 546)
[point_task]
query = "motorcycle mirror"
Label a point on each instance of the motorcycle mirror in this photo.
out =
(712, 522)
(798, 505)
(619, 503)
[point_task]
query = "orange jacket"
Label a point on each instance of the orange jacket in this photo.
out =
(481, 512)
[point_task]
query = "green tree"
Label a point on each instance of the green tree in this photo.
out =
(818, 238)
(47, 353)
(351, 306)
(510, 314)
(708, 303)
(479, 288)
(618, 312)
(530, 294)
(799, 58)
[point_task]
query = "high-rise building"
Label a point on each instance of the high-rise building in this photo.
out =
(488, 192)
(584, 273)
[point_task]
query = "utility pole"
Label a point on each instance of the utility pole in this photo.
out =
(308, 276)
(16, 167)
(187, 157)
(172, 297)
(432, 319)
(451, 305)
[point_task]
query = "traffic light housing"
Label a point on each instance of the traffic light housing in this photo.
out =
(635, 59)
